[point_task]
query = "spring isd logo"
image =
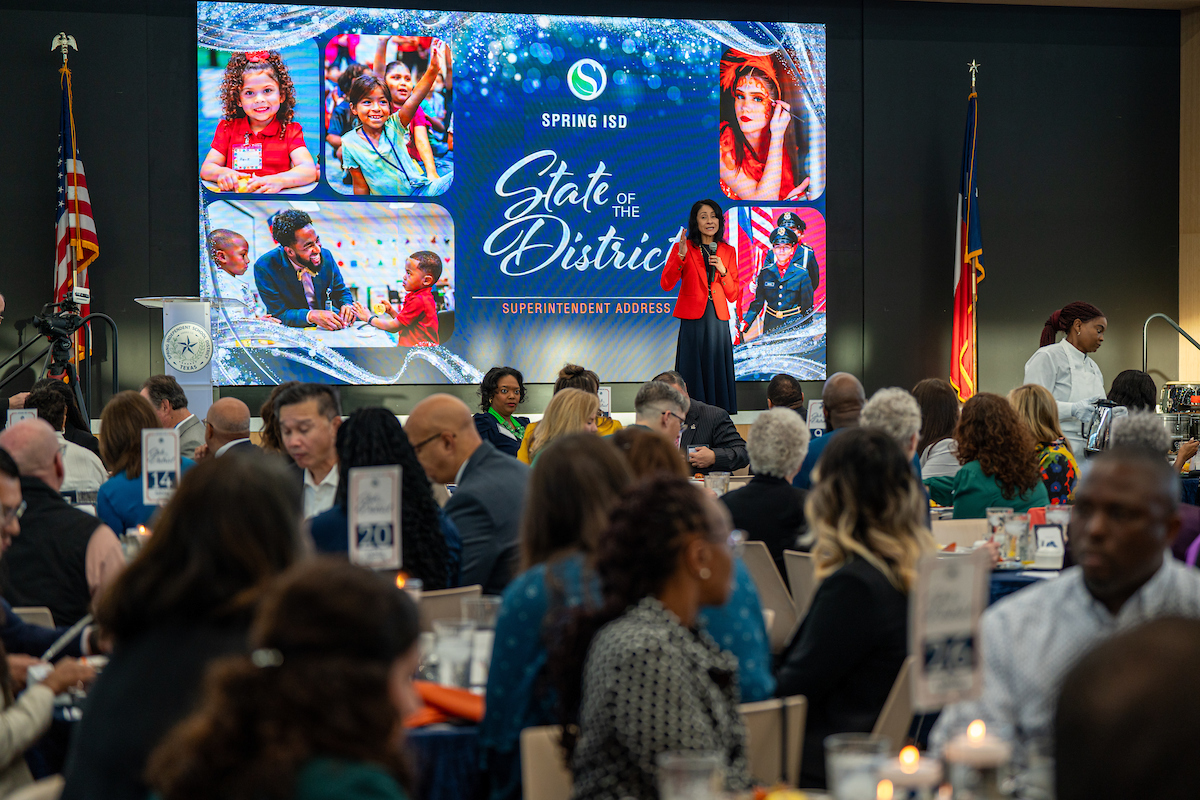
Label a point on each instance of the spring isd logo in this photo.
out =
(587, 79)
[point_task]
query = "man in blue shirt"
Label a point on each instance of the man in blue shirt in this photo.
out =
(843, 398)
(299, 281)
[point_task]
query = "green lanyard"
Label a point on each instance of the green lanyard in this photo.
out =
(516, 428)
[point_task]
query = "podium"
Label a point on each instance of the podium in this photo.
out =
(196, 383)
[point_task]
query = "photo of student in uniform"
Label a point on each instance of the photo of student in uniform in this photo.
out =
(785, 290)
(415, 322)
(299, 281)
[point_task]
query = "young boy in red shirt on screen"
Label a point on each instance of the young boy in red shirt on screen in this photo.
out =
(416, 322)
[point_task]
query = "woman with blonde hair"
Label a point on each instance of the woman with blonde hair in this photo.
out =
(1038, 409)
(569, 411)
(868, 514)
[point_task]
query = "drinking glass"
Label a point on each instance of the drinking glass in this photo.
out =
(696, 775)
(717, 482)
(851, 763)
(483, 612)
(454, 640)
(995, 523)
(1016, 530)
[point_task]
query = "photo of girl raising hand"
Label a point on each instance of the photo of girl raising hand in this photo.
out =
(258, 147)
(376, 154)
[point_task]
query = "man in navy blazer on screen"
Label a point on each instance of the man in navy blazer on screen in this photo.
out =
(299, 281)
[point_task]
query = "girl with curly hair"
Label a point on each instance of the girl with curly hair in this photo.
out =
(431, 545)
(315, 709)
(258, 147)
(758, 141)
(1000, 463)
(869, 518)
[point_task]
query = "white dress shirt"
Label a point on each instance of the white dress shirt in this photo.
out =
(1032, 638)
(83, 471)
(318, 497)
(1069, 375)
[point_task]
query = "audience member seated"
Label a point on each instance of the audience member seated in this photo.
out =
(1135, 390)
(659, 407)
(572, 376)
(188, 598)
(784, 391)
(643, 450)
(637, 677)
(430, 547)
(709, 439)
(569, 411)
(66, 557)
(1135, 702)
(83, 471)
(78, 428)
(1059, 470)
(489, 489)
(1126, 514)
(171, 407)
(119, 501)
(768, 508)
(502, 390)
(842, 398)
(315, 710)
(309, 415)
(572, 488)
(939, 417)
(1000, 467)
(896, 413)
(226, 428)
(270, 439)
(868, 513)
(21, 640)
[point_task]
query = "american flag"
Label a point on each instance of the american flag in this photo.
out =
(75, 230)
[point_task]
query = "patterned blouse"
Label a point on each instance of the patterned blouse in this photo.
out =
(1059, 471)
(652, 686)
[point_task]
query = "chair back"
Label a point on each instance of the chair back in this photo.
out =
(803, 579)
(896, 717)
(45, 789)
(772, 592)
(544, 772)
(35, 615)
(775, 731)
(962, 532)
(444, 604)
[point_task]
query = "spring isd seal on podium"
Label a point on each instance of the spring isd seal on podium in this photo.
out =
(187, 347)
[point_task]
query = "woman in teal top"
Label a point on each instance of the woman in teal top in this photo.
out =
(1000, 463)
(314, 712)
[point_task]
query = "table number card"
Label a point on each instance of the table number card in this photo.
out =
(944, 612)
(374, 517)
(16, 415)
(160, 465)
(816, 417)
(605, 394)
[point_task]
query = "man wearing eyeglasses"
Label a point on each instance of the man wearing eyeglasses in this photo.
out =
(489, 493)
(660, 407)
(709, 439)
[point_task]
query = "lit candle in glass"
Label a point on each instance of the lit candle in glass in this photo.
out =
(975, 760)
(912, 777)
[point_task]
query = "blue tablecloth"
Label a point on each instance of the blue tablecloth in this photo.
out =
(446, 758)
(1005, 583)
(1190, 490)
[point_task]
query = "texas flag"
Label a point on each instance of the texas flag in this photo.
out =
(968, 267)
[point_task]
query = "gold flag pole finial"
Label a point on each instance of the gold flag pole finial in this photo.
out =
(62, 42)
(974, 69)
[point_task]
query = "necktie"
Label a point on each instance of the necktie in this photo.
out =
(309, 292)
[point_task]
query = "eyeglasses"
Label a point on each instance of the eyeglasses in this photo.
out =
(676, 416)
(8, 515)
(417, 447)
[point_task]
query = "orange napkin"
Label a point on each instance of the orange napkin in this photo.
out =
(444, 703)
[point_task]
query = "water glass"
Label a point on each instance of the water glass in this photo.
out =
(1016, 532)
(852, 761)
(483, 612)
(717, 482)
(1059, 515)
(454, 640)
(995, 522)
(696, 775)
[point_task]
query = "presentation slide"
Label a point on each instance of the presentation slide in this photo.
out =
(399, 196)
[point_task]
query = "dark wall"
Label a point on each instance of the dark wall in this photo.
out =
(1078, 173)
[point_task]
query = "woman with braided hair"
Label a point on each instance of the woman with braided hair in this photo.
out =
(432, 548)
(1065, 370)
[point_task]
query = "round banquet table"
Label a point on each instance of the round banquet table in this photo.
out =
(446, 761)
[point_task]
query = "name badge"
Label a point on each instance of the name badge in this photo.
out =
(160, 465)
(944, 611)
(16, 415)
(248, 157)
(374, 517)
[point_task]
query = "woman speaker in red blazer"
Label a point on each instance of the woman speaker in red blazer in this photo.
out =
(707, 268)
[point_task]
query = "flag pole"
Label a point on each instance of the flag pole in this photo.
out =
(973, 68)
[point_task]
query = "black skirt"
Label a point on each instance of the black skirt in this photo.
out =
(704, 357)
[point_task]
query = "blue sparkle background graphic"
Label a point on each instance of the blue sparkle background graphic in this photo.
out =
(562, 209)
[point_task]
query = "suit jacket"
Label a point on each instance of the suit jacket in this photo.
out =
(283, 293)
(241, 447)
(770, 510)
(693, 271)
(712, 427)
(486, 507)
(191, 436)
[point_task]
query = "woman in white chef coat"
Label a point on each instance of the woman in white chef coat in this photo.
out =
(1066, 371)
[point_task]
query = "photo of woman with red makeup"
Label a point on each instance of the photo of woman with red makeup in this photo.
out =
(707, 268)
(759, 156)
